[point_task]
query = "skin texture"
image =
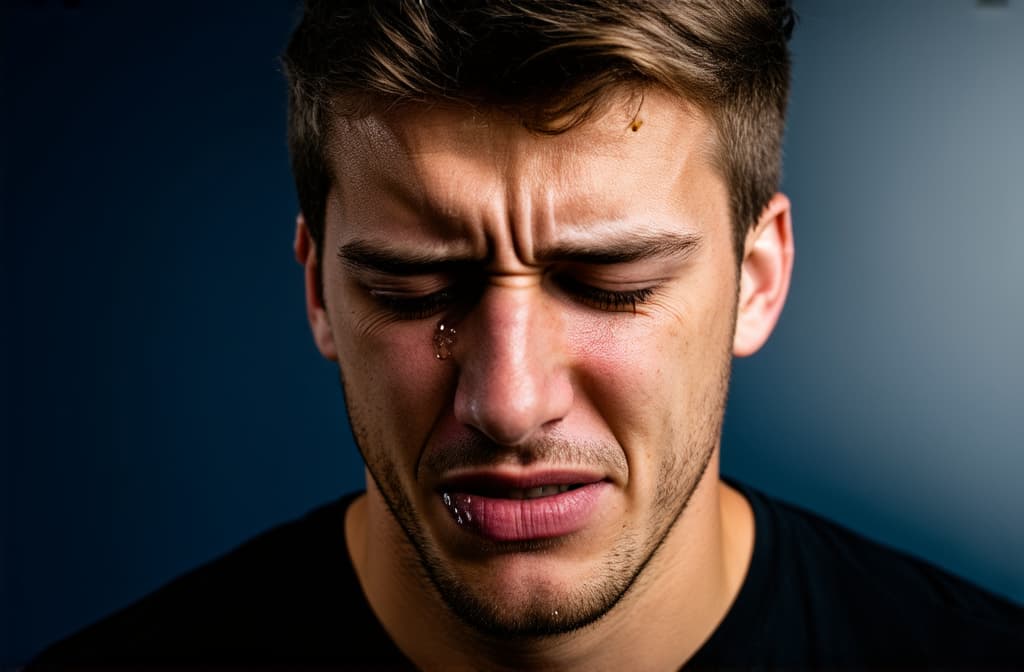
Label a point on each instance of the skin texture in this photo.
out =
(549, 374)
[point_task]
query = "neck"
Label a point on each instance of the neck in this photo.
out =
(675, 604)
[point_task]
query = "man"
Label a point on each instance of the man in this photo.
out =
(534, 235)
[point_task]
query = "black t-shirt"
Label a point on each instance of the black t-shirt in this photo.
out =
(817, 596)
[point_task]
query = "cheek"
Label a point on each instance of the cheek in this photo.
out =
(401, 384)
(627, 370)
(649, 377)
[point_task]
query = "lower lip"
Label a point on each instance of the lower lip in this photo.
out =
(525, 519)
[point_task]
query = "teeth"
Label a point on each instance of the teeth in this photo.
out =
(534, 493)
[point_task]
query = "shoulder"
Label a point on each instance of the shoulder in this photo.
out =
(287, 597)
(819, 591)
(841, 561)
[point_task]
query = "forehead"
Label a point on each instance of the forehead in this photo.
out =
(642, 157)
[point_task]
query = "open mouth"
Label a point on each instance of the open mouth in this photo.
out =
(526, 493)
(496, 485)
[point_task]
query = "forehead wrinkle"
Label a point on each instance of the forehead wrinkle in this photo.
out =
(540, 171)
(548, 177)
(484, 178)
(534, 175)
(580, 213)
(382, 154)
(457, 181)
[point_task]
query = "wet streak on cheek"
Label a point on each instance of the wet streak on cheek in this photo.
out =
(395, 370)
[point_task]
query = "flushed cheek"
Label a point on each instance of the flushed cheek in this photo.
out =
(648, 380)
(628, 361)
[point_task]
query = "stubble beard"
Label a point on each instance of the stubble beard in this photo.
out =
(550, 611)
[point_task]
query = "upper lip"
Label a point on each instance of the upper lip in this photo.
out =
(490, 481)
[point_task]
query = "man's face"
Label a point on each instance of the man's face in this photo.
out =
(591, 284)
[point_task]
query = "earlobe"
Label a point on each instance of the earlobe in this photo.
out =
(316, 312)
(764, 276)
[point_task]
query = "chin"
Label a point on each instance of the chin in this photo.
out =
(532, 597)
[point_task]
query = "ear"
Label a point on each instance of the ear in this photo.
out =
(306, 255)
(764, 276)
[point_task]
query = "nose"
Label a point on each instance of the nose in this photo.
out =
(513, 366)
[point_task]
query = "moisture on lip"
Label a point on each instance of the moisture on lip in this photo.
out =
(541, 512)
(462, 515)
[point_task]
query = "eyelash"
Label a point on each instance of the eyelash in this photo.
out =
(419, 307)
(415, 308)
(606, 299)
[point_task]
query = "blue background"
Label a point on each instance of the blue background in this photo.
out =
(163, 400)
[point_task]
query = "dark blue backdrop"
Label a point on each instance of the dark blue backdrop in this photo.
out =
(163, 399)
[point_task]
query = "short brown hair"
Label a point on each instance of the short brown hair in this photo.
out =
(551, 63)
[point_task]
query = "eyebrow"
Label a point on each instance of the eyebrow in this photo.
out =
(625, 249)
(362, 255)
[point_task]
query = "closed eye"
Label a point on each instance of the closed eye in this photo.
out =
(406, 303)
(604, 299)
(412, 307)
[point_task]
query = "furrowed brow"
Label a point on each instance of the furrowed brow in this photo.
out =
(361, 255)
(623, 250)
